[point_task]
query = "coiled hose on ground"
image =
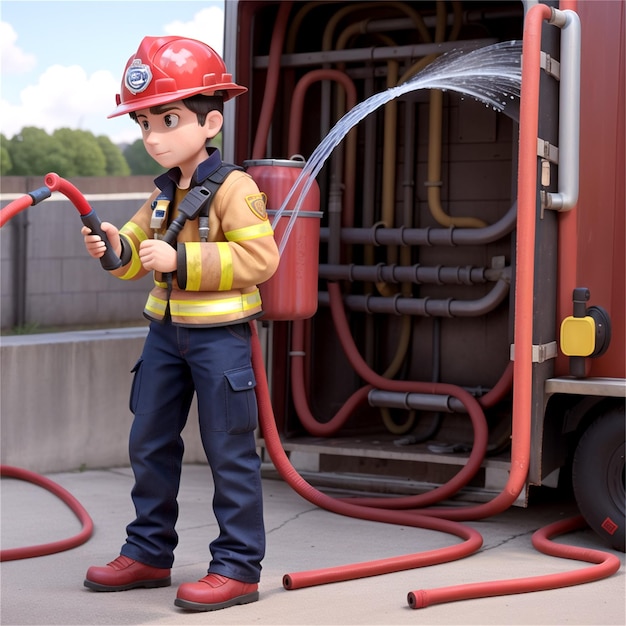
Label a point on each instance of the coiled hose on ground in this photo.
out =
(12, 554)
(605, 564)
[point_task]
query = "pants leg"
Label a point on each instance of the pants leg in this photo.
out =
(227, 408)
(160, 399)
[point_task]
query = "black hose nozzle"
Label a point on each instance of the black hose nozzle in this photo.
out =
(110, 260)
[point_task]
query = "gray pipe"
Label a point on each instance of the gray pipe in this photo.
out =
(417, 401)
(569, 112)
(417, 274)
(379, 236)
(401, 400)
(426, 307)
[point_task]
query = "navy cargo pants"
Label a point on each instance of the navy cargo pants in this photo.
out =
(216, 364)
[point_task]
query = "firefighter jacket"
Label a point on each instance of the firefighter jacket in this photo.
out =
(216, 280)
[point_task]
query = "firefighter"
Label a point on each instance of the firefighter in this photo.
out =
(209, 245)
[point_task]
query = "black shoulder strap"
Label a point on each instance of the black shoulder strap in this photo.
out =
(212, 184)
(220, 174)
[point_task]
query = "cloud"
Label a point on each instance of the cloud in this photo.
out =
(66, 96)
(14, 59)
(207, 25)
(63, 97)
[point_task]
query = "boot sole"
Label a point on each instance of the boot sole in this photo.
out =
(148, 584)
(199, 606)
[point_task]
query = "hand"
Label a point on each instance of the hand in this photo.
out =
(158, 255)
(94, 244)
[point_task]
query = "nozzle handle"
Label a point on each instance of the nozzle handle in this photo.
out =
(110, 260)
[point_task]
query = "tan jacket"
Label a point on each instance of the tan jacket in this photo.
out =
(216, 281)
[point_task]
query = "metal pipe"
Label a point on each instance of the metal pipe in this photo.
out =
(371, 54)
(378, 236)
(403, 400)
(446, 307)
(416, 274)
(569, 112)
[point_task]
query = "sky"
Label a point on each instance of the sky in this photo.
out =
(62, 61)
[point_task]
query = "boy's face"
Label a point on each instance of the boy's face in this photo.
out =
(174, 138)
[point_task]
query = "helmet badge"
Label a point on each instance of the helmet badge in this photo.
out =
(138, 77)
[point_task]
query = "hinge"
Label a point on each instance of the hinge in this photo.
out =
(548, 151)
(541, 353)
(551, 66)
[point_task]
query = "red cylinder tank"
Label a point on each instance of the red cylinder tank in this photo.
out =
(292, 292)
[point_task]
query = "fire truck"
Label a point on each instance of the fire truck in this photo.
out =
(448, 319)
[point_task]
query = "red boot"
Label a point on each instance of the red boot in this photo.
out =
(124, 573)
(215, 592)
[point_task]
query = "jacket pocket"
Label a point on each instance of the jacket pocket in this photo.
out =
(241, 404)
(135, 386)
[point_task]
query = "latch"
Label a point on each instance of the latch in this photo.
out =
(587, 333)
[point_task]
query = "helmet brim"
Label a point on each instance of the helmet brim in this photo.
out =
(228, 90)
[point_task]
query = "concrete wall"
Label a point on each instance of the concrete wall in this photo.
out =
(64, 400)
(47, 279)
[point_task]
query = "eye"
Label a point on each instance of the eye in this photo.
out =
(145, 125)
(170, 120)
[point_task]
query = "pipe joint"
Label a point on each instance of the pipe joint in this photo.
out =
(375, 229)
(387, 273)
(558, 18)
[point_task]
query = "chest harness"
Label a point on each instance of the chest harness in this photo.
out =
(195, 204)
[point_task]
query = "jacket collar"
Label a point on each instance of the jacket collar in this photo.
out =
(166, 182)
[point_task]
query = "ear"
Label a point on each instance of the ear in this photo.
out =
(213, 123)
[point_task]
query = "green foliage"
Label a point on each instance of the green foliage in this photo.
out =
(34, 153)
(84, 155)
(5, 158)
(116, 164)
(139, 161)
(69, 153)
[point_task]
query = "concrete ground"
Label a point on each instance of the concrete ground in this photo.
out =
(49, 589)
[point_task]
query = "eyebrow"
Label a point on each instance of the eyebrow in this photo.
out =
(161, 108)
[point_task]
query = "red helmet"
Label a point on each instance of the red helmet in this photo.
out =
(166, 69)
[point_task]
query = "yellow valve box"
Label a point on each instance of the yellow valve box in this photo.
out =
(578, 336)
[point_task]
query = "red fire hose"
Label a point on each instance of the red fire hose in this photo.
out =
(54, 182)
(606, 565)
(21, 203)
(12, 554)
(109, 261)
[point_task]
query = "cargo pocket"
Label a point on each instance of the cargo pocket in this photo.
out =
(134, 389)
(241, 405)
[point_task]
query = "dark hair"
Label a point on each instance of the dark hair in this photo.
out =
(198, 104)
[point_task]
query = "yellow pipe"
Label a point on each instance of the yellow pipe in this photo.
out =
(434, 183)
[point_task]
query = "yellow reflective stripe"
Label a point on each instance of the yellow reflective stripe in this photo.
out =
(156, 305)
(160, 283)
(135, 264)
(250, 232)
(226, 266)
(133, 270)
(131, 228)
(194, 265)
(206, 308)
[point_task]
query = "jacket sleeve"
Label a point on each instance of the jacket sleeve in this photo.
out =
(136, 230)
(241, 252)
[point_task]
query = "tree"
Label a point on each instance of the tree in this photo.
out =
(85, 157)
(34, 153)
(5, 157)
(139, 161)
(116, 164)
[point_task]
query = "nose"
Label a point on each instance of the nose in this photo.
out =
(151, 138)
